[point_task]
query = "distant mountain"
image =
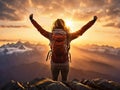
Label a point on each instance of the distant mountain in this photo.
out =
(103, 49)
(18, 47)
(19, 53)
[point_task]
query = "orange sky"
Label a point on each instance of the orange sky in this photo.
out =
(15, 24)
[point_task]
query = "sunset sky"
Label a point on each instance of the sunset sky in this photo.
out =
(15, 23)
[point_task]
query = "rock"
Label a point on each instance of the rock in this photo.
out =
(90, 83)
(106, 84)
(13, 85)
(42, 83)
(36, 80)
(48, 84)
(102, 84)
(57, 86)
(32, 88)
(74, 85)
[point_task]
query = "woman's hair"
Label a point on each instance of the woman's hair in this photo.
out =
(60, 24)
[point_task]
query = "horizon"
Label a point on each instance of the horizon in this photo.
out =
(15, 23)
(36, 42)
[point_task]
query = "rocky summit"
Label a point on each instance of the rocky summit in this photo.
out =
(48, 84)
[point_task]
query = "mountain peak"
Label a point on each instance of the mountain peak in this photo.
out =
(19, 43)
(21, 47)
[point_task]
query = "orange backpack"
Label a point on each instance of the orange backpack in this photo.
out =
(60, 46)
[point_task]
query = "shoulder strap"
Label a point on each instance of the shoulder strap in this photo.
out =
(68, 46)
(68, 42)
(48, 55)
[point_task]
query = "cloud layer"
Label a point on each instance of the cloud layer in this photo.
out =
(13, 26)
(107, 10)
(12, 9)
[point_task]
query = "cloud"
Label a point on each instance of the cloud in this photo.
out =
(82, 10)
(66, 8)
(104, 49)
(113, 24)
(13, 26)
(108, 11)
(51, 8)
(12, 10)
(42, 2)
(114, 8)
(7, 40)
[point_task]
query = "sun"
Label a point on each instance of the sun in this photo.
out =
(68, 23)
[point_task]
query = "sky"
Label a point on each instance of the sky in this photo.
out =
(15, 23)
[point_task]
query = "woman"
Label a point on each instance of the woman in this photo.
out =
(61, 64)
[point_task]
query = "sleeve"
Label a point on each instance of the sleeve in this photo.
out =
(40, 29)
(78, 33)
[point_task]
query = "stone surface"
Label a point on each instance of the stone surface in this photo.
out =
(48, 84)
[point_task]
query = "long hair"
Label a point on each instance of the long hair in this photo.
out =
(60, 24)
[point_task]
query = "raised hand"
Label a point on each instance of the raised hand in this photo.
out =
(95, 18)
(31, 17)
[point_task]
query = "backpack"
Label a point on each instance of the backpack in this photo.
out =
(60, 46)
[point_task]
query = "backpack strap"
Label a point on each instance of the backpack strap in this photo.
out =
(69, 56)
(48, 54)
(68, 47)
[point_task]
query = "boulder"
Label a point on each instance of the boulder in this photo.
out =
(106, 84)
(41, 83)
(57, 86)
(13, 85)
(102, 84)
(74, 85)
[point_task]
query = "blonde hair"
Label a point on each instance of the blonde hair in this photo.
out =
(60, 24)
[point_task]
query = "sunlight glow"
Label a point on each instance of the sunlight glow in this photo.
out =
(69, 23)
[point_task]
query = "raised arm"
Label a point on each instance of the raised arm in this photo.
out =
(83, 29)
(39, 28)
